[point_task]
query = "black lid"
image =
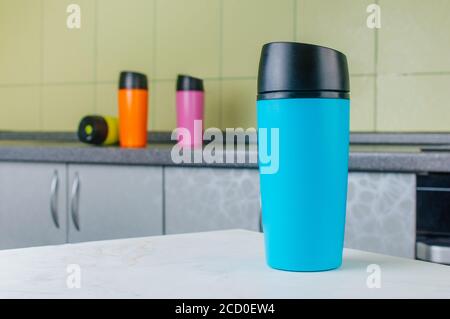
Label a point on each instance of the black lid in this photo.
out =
(132, 80)
(189, 83)
(97, 132)
(290, 70)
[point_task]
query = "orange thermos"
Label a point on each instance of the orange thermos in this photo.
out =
(133, 109)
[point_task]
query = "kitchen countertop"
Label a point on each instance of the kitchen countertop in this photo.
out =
(155, 137)
(223, 264)
(377, 158)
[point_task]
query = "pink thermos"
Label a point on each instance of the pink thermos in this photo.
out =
(190, 110)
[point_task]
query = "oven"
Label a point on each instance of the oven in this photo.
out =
(433, 218)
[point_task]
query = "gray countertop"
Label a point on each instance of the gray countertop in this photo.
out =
(384, 158)
(385, 138)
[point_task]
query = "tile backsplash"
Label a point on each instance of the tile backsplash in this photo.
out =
(51, 75)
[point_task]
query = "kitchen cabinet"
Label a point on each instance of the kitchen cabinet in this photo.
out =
(32, 204)
(205, 199)
(109, 201)
(381, 213)
(44, 204)
(380, 206)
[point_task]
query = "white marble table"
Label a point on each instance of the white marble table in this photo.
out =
(225, 264)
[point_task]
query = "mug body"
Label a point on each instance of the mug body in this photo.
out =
(190, 110)
(304, 201)
(133, 111)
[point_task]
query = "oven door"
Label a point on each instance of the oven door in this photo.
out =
(433, 218)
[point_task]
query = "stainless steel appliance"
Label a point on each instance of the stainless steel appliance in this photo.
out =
(433, 218)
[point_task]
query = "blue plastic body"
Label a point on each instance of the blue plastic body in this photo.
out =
(304, 201)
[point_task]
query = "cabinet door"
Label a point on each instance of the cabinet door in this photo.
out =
(205, 199)
(32, 204)
(381, 213)
(109, 202)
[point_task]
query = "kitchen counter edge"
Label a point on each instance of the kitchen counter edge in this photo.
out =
(411, 162)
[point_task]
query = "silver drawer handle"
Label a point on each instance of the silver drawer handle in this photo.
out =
(54, 199)
(260, 217)
(74, 199)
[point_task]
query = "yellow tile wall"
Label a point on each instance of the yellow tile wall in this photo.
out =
(19, 108)
(187, 38)
(124, 37)
(68, 54)
(50, 76)
(65, 105)
(246, 28)
(20, 42)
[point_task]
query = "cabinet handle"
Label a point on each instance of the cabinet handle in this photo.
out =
(260, 216)
(54, 199)
(75, 196)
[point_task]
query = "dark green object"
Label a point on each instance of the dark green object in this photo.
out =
(93, 129)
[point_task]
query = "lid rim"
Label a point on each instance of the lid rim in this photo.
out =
(303, 95)
(305, 44)
(325, 90)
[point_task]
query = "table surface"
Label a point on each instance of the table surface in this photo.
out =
(222, 264)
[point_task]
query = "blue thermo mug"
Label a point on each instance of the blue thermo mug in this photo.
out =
(303, 145)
